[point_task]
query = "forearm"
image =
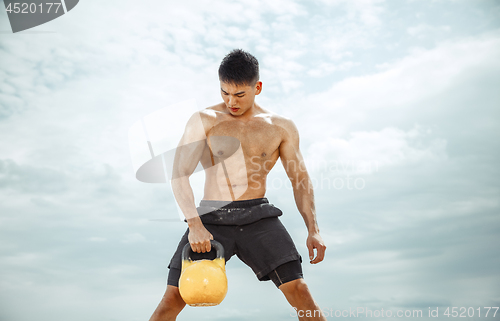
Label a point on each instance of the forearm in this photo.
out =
(184, 196)
(199, 237)
(304, 198)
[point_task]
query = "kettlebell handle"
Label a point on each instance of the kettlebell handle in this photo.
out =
(186, 251)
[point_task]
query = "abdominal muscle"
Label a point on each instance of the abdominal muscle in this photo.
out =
(233, 184)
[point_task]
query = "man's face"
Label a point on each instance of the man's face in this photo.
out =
(239, 98)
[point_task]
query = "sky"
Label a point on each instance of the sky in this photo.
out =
(396, 103)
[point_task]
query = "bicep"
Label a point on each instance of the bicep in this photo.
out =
(290, 154)
(190, 147)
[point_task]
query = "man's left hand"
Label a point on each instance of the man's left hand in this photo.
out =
(314, 241)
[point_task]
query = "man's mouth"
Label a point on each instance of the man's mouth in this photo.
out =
(233, 109)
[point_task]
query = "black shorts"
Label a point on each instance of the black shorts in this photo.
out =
(252, 230)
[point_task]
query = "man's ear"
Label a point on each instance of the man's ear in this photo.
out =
(258, 87)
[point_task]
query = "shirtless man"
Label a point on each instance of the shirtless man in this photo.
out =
(238, 142)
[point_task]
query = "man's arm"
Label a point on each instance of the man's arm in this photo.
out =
(187, 156)
(293, 163)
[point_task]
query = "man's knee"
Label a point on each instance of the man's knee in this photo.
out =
(298, 288)
(172, 299)
(170, 306)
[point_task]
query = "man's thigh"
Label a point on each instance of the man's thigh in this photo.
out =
(286, 272)
(265, 245)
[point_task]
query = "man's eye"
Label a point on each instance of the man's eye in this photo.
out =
(240, 96)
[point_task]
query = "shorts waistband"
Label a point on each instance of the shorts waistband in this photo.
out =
(234, 204)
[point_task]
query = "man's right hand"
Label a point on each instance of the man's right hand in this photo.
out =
(199, 237)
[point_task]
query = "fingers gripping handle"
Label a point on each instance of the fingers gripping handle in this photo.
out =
(186, 251)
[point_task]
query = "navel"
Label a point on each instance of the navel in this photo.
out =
(263, 154)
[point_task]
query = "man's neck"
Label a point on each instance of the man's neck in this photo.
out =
(249, 114)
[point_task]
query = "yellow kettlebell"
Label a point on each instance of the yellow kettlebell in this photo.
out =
(203, 282)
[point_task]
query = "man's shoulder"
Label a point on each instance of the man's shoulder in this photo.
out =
(283, 122)
(207, 116)
(275, 118)
(210, 112)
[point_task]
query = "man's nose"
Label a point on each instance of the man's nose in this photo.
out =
(232, 101)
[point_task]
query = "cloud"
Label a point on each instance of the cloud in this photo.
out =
(97, 239)
(325, 69)
(419, 75)
(423, 30)
(29, 179)
(400, 92)
(367, 11)
(134, 238)
(387, 147)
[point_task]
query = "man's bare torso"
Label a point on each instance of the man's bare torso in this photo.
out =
(240, 152)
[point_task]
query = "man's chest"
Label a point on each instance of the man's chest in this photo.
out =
(257, 138)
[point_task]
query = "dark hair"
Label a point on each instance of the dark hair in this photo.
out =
(240, 68)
